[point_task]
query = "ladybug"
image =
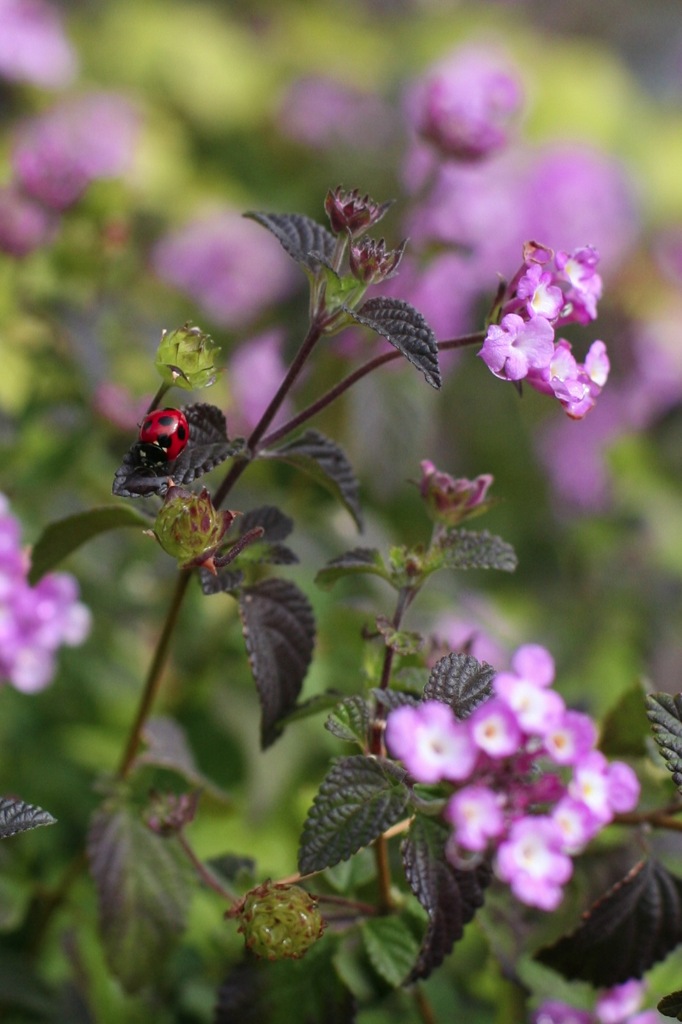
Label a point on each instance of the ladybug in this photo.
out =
(163, 435)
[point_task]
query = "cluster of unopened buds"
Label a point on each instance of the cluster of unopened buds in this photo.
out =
(549, 291)
(530, 787)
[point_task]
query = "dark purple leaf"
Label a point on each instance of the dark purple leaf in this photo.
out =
(143, 894)
(298, 235)
(279, 631)
(449, 895)
(226, 581)
(671, 1005)
(633, 926)
(360, 797)
(322, 459)
(167, 747)
(406, 329)
(17, 816)
(665, 714)
(460, 681)
(276, 525)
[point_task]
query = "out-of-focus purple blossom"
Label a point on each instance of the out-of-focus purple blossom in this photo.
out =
(255, 371)
(616, 1005)
(552, 1011)
(227, 264)
(566, 195)
(33, 46)
(466, 105)
(573, 194)
(34, 621)
(58, 154)
(321, 112)
(24, 224)
(471, 631)
(116, 404)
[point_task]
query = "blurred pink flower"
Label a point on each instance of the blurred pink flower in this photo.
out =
(255, 371)
(229, 265)
(58, 154)
(33, 46)
(320, 112)
(24, 224)
(466, 104)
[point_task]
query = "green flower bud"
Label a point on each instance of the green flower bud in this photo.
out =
(279, 921)
(186, 358)
(189, 528)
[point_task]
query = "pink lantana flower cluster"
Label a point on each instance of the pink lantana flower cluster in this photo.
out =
(34, 621)
(531, 788)
(548, 292)
(618, 1005)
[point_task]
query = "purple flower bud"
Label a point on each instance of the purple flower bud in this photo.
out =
(351, 212)
(450, 500)
(371, 262)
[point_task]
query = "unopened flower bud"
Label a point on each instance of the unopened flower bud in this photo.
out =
(279, 921)
(170, 812)
(189, 528)
(186, 358)
(449, 499)
(371, 262)
(351, 212)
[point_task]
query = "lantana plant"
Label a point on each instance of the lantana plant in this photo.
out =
(464, 781)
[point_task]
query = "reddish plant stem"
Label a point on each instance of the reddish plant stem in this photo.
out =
(372, 364)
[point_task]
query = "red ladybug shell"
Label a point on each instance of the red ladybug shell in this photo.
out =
(167, 429)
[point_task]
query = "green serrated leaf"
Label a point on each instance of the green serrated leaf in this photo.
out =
(352, 563)
(350, 721)
(326, 463)
(359, 799)
(391, 947)
(143, 894)
(340, 291)
(17, 816)
(61, 538)
(475, 549)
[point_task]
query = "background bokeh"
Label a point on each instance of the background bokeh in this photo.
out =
(205, 110)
